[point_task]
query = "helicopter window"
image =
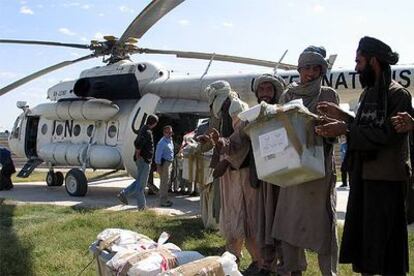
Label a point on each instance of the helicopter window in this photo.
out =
(112, 131)
(59, 129)
(44, 129)
(76, 130)
(142, 67)
(89, 130)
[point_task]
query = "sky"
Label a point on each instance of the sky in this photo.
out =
(261, 29)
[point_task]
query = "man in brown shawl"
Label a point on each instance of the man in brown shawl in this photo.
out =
(305, 215)
(375, 233)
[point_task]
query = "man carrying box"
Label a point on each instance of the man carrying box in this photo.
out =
(267, 88)
(305, 213)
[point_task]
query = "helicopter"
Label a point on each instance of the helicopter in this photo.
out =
(91, 122)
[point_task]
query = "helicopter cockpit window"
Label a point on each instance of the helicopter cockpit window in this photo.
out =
(76, 130)
(112, 131)
(59, 129)
(44, 129)
(89, 130)
(110, 87)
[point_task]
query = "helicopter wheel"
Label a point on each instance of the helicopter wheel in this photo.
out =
(51, 179)
(76, 183)
(59, 178)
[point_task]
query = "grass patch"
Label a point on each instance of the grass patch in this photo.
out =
(54, 240)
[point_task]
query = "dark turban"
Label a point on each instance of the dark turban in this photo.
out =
(377, 48)
(313, 55)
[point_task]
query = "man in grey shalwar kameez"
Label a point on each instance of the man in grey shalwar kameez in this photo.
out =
(267, 88)
(305, 213)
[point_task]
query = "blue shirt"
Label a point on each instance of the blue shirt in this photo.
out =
(342, 149)
(165, 150)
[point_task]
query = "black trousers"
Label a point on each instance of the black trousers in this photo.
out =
(375, 238)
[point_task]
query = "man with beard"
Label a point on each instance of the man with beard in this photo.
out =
(375, 232)
(267, 88)
(305, 215)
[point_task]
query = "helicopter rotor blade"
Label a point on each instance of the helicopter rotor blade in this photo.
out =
(213, 56)
(42, 72)
(147, 18)
(48, 43)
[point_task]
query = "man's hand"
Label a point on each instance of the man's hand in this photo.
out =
(203, 139)
(402, 122)
(332, 129)
(214, 135)
(332, 110)
(323, 120)
(220, 168)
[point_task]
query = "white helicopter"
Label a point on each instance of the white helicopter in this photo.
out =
(92, 122)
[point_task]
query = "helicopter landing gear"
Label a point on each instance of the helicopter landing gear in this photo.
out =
(54, 178)
(76, 183)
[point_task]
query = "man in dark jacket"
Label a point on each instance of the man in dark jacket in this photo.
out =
(144, 151)
(375, 237)
(7, 169)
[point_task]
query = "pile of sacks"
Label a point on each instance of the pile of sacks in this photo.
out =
(124, 252)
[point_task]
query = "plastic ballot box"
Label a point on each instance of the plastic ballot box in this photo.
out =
(286, 149)
(196, 166)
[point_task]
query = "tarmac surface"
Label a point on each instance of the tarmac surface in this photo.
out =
(102, 195)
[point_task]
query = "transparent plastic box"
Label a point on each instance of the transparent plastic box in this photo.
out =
(196, 168)
(286, 149)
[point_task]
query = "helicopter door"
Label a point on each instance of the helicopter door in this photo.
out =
(31, 137)
(144, 107)
(30, 144)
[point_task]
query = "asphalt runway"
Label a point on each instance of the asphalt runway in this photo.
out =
(102, 195)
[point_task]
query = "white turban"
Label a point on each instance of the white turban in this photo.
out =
(237, 106)
(217, 93)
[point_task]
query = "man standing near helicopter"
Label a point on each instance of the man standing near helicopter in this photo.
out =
(144, 152)
(164, 156)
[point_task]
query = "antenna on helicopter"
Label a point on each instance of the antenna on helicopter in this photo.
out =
(280, 60)
(209, 64)
(331, 61)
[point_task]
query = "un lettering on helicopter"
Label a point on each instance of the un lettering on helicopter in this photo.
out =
(92, 122)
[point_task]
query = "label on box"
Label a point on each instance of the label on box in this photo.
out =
(273, 142)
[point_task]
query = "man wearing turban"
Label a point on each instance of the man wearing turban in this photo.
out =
(375, 232)
(305, 213)
(238, 199)
(267, 88)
